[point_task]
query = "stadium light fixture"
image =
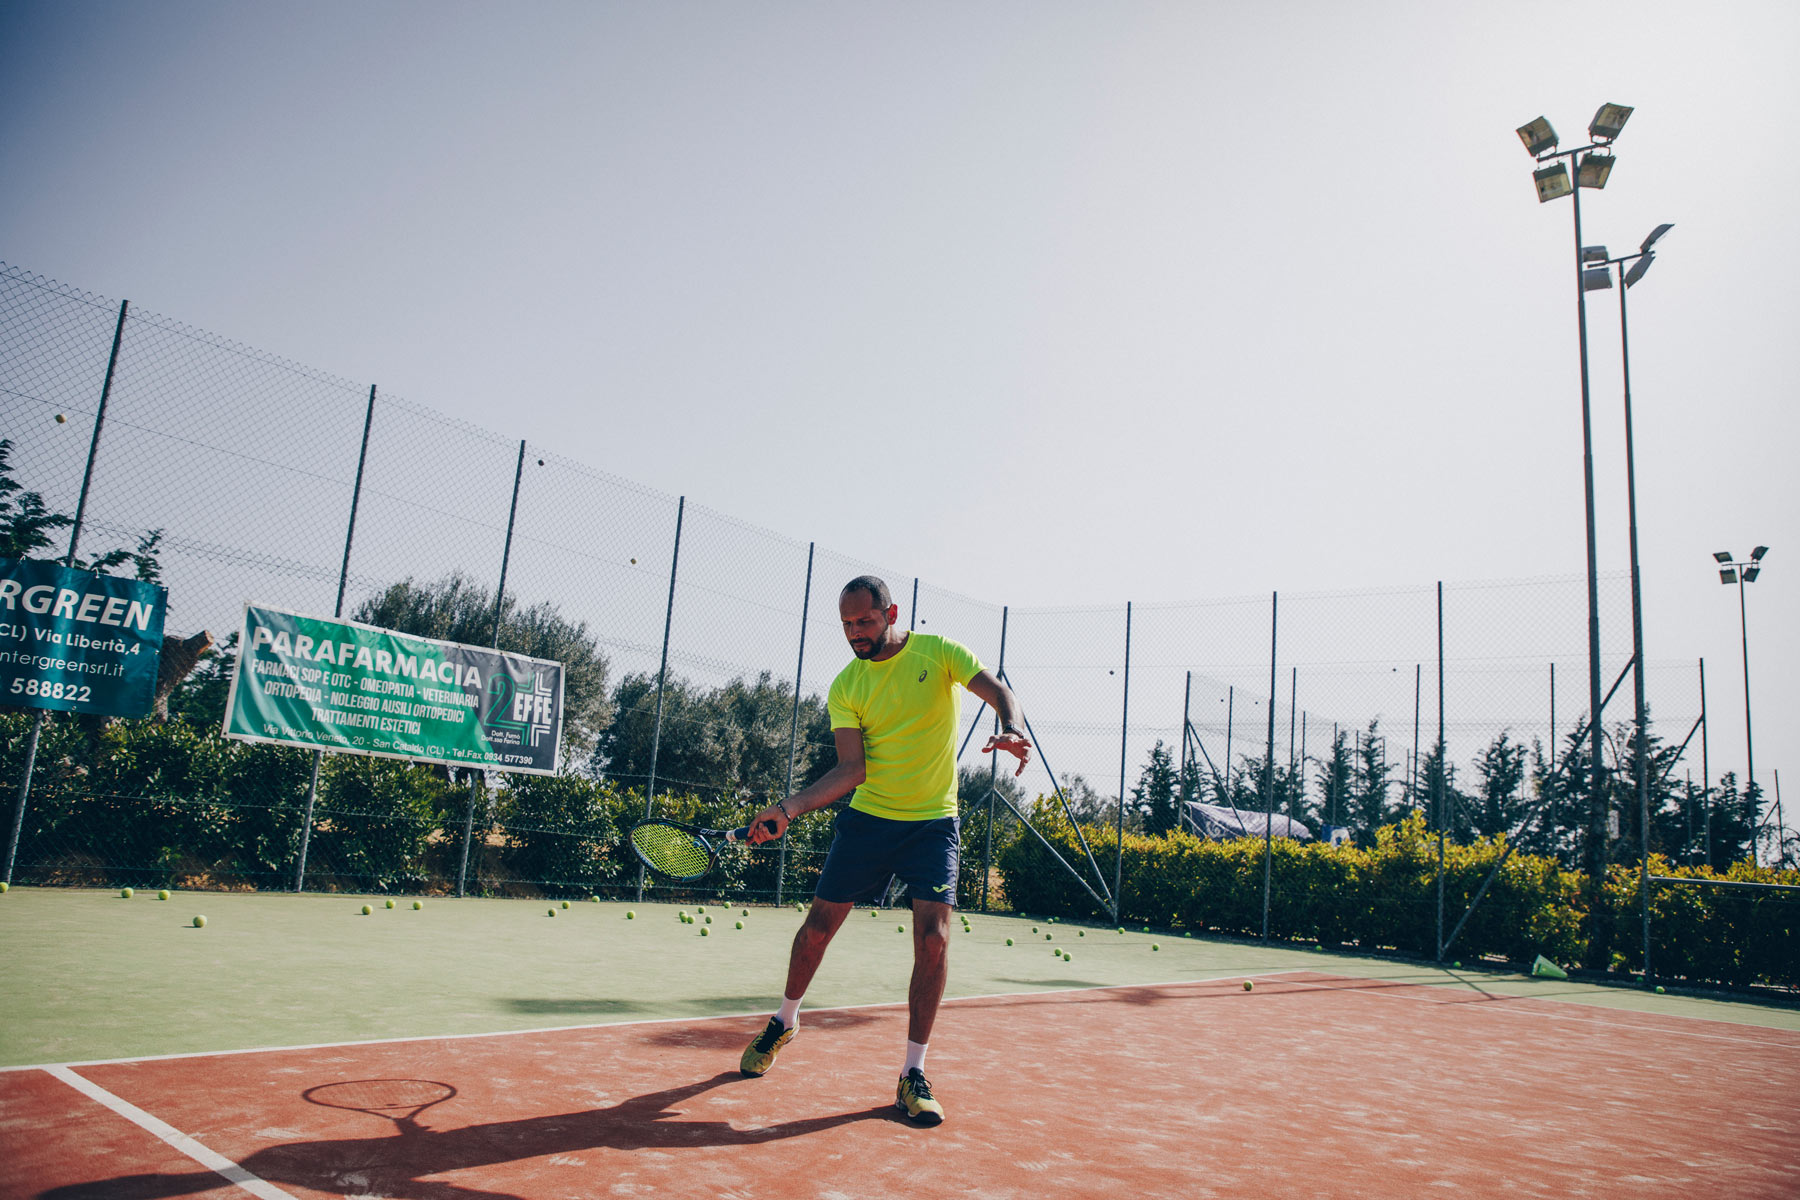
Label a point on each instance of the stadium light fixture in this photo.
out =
(1538, 137)
(1608, 122)
(1756, 554)
(1750, 574)
(1722, 555)
(1552, 183)
(1741, 573)
(1596, 279)
(1593, 254)
(1655, 237)
(1639, 267)
(1594, 170)
(1728, 575)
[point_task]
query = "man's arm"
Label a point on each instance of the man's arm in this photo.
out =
(843, 777)
(1011, 737)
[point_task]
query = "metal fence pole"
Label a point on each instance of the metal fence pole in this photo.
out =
(1705, 767)
(1293, 700)
(1442, 755)
(987, 852)
(87, 478)
(1124, 730)
(794, 724)
(1230, 703)
(477, 775)
(1269, 774)
(662, 675)
(1181, 777)
(912, 616)
(312, 786)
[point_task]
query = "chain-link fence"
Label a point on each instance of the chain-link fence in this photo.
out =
(706, 646)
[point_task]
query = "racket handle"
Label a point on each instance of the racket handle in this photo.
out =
(742, 832)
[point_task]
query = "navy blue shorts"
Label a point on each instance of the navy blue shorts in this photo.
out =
(870, 851)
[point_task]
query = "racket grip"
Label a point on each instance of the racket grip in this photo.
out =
(742, 832)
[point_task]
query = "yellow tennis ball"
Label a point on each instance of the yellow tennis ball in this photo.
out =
(125, 892)
(418, 904)
(565, 904)
(1009, 941)
(709, 919)
(390, 904)
(900, 928)
(1081, 933)
(551, 911)
(367, 910)
(199, 922)
(1249, 985)
(1154, 946)
(163, 895)
(740, 924)
(746, 912)
(1067, 957)
(630, 915)
(704, 931)
(4, 887)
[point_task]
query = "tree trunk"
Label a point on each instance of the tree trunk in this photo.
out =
(179, 658)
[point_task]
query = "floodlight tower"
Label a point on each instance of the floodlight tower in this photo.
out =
(1593, 166)
(1740, 573)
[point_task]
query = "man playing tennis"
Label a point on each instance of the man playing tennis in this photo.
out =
(893, 716)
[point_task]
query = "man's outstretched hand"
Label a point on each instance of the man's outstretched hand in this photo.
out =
(1015, 744)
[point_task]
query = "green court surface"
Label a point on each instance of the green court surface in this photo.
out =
(89, 975)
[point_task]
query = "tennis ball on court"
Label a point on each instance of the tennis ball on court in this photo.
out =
(900, 928)
(1057, 952)
(1081, 933)
(704, 931)
(746, 912)
(1457, 964)
(390, 904)
(1154, 946)
(630, 915)
(1248, 985)
(595, 899)
(163, 894)
(4, 887)
(565, 904)
(199, 922)
(699, 908)
(709, 920)
(418, 905)
(1659, 989)
(1067, 957)
(1009, 941)
(1049, 936)
(125, 892)
(551, 911)
(367, 910)
(1121, 929)
(740, 924)
(1187, 934)
(1034, 929)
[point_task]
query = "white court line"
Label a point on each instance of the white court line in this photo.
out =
(1575, 1012)
(211, 1159)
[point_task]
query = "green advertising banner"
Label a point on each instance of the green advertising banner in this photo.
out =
(330, 684)
(78, 641)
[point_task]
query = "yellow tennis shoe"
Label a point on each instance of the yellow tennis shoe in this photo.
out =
(914, 1098)
(760, 1054)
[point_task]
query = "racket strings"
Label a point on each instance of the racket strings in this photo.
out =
(670, 850)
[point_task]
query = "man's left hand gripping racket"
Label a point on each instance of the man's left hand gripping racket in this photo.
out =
(682, 853)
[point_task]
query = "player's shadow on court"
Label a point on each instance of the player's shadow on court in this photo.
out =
(401, 1163)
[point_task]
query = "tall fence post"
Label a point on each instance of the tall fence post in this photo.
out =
(478, 775)
(1705, 768)
(1181, 777)
(87, 478)
(1124, 731)
(1269, 774)
(1293, 702)
(794, 723)
(987, 851)
(1443, 755)
(318, 756)
(662, 676)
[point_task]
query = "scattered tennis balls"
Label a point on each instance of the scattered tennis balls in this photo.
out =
(1121, 929)
(163, 895)
(700, 908)
(1034, 929)
(125, 892)
(746, 912)
(1659, 989)
(551, 911)
(630, 915)
(1067, 957)
(1248, 985)
(1457, 964)
(709, 920)
(1049, 936)
(740, 924)
(390, 904)
(1154, 946)
(418, 904)
(874, 912)
(1009, 941)
(595, 899)
(1081, 933)
(704, 931)
(1057, 952)
(4, 887)
(367, 910)
(900, 928)
(199, 922)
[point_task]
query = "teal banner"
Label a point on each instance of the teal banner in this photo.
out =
(78, 641)
(330, 684)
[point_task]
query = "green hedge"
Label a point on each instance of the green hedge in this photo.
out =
(1385, 898)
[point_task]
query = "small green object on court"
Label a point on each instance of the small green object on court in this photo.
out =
(1659, 989)
(1248, 985)
(125, 893)
(552, 912)
(630, 915)
(740, 924)
(704, 931)
(565, 904)
(163, 895)
(366, 910)
(900, 928)
(418, 904)
(199, 922)
(1543, 968)
(1154, 946)
(1009, 941)
(390, 904)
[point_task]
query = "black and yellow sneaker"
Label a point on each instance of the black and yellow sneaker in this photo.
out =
(760, 1054)
(914, 1098)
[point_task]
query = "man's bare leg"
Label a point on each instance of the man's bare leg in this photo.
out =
(931, 967)
(821, 925)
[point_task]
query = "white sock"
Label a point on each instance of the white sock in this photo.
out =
(789, 1013)
(915, 1057)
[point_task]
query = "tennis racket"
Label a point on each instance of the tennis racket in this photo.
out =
(399, 1100)
(680, 852)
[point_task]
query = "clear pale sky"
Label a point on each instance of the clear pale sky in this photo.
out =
(1064, 303)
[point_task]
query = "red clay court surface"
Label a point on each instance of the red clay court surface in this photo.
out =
(1310, 1085)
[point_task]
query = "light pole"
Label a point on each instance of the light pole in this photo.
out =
(1642, 260)
(1741, 573)
(1593, 165)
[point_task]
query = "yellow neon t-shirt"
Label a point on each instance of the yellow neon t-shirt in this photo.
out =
(907, 710)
